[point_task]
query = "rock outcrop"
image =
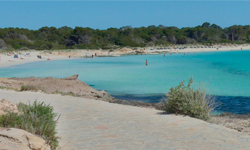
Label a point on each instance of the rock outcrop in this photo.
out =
(74, 77)
(240, 123)
(17, 139)
(6, 106)
(68, 86)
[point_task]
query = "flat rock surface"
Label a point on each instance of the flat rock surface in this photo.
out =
(70, 85)
(17, 139)
(92, 125)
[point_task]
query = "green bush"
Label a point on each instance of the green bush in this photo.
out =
(28, 88)
(187, 101)
(37, 118)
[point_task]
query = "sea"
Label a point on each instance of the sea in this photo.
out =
(224, 75)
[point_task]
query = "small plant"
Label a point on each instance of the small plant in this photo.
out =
(37, 118)
(8, 88)
(66, 93)
(187, 101)
(28, 88)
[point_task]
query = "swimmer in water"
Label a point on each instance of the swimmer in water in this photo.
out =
(146, 62)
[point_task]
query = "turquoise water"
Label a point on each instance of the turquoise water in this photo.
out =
(223, 74)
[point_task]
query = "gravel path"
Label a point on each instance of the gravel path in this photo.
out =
(92, 125)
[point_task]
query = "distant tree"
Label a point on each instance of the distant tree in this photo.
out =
(215, 26)
(125, 28)
(206, 24)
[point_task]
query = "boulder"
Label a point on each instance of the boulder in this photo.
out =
(17, 139)
(74, 77)
(6, 106)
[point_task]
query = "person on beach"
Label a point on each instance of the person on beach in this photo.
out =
(146, 62)
(92, 56)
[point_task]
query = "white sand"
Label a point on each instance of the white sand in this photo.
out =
(212, 49)
(6, 61)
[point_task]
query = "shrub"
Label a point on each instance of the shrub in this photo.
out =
(37, 118)
(8, 88)
(28, 88)
(187, 101)
(66, 93)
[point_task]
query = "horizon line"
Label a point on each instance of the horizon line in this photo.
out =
(123, 26)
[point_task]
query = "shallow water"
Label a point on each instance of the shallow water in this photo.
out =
(226, 75)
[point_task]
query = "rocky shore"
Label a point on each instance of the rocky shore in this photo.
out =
(67, 86)
(95, 124)
(74, 87)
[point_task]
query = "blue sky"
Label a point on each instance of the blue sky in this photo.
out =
(106, 14)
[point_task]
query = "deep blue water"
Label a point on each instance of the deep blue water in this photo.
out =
(231, 104)
(225, 75)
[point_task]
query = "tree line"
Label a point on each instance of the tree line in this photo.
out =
(88, 38)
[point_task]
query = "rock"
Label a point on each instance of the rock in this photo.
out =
(3, 46)
(17, 139)
(35, 142)
(74, 77)
(240, 123)
(6, 106)
(67, 86)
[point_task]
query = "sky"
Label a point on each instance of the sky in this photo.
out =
(105, 14)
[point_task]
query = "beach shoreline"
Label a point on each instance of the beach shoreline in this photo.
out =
(228, 120)
(7, 58)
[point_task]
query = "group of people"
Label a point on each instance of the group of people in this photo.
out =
(92, 56)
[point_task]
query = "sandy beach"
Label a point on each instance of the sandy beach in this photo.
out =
(201, 48)
(7, 58)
